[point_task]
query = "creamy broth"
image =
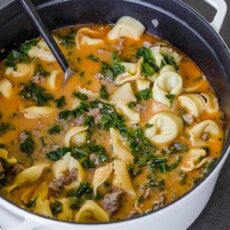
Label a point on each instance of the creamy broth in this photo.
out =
(161, 143)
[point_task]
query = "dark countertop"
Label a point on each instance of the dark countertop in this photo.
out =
(216, 215)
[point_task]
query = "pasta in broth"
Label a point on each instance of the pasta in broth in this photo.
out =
(136, 127)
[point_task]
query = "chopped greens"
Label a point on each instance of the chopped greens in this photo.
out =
(143, 95)
(83, 190)
(170, 97)
(80, 96)
(103, 92)
(56, 207)
(176, 147)
(149, 66)
(5, 168)
(28, 145)
(170, 61)
(68, 41)
(4, 127)
(93, 58)
(60, 103)
(56, 129)
(41, 71)
(35, 93)
(20, 55)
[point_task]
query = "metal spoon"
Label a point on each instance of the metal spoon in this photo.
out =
(46, 35)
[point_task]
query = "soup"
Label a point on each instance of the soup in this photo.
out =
(135, 128)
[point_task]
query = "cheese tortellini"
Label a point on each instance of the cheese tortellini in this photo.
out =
(164, 127)
(90, 209)
(4, 155)
(133, 72)
(121, 177)
(120, 148)
(76, 136)
(168, 83)
(34, 112)
(127, 27)
(194, 159)
(123, 95)
(5, 87)
(22, 70)
(101, 175)
(203, 132)
(83, 39)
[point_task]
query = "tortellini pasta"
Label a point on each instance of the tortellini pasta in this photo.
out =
(90, 209)
(133, 72)
(121, 177)
(26, 177)
(211, 103)
(34, 112)
(120, 149)
(22, 70)
(131, 116)
(127, 27)
(194, 159)
(68, 163)
(166, 126)
(76, 136)
(89, 93)
(52, 79)
(203, 132)
(4, 155)
(168, 83)
(82, 39)
(42, 205)
(101, 174)
(123, 95)
(5, 87)
(193, 103)
(142, 85)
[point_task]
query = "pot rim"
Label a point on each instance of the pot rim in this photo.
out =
(221, 159)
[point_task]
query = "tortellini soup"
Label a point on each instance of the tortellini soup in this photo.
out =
(135, 128)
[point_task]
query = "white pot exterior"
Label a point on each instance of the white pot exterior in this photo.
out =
(177, 216)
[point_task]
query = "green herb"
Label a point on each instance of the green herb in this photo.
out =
(41, 71)
(147, 125)
(20, 55)
(30, 204)
(83, 189)
(57, 154)
(60, 103)
(4, 128)
(132, 105)
(170, 61)
(134, 172)
(80, 96)
(68, 41)
(5, 169)
(103, 92)
(159, 184)
(28, 145)
(149, 66)
(35, 93)
(89, 121)
(93, 58)
(65, 115)
(56, 207)
(111, 72)
(56, 129)
(143, 95)
(171, 98)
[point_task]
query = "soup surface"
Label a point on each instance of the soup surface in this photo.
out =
(135, 128)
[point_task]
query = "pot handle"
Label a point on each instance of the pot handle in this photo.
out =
(221, 8)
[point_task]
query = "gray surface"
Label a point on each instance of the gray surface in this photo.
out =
(216, 215)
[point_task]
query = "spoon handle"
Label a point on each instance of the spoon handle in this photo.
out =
(46, 35)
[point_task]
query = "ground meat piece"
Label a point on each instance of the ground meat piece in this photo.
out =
(56, 185)
(93, 157)
(37, 78)
(120, 45)
(140, 108)
(112, 201)
(15, 169)
(205, 136)
(79, 121)
(96, 114)
(99, 76)
(161, 202)
(188, 118)
(144, 191)
(23, 136)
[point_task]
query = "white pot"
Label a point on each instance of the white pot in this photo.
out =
(178, 215)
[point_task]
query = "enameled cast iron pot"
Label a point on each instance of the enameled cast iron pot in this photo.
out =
(169, 19)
